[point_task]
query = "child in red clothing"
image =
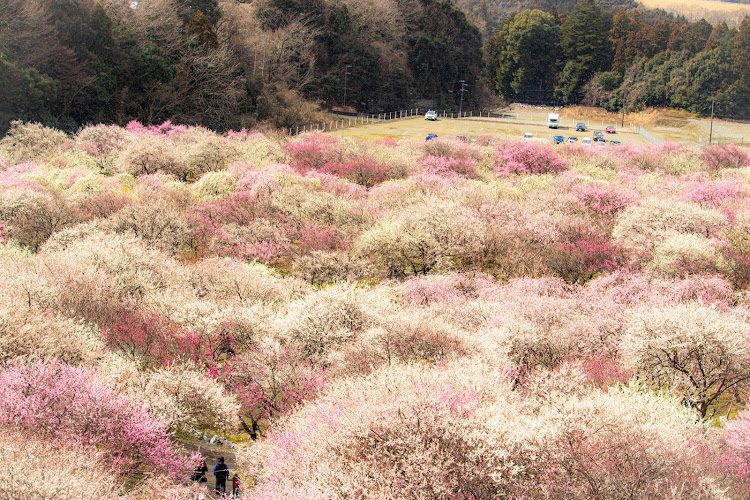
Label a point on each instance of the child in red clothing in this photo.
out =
(235, 486)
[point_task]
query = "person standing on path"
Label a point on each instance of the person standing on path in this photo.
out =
(235, 486)
(221, 473)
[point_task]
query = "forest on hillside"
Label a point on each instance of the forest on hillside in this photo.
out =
(230, 64)
(634, 58)
(233, 64)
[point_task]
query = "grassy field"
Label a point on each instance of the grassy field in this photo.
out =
(472, 128)
(693, 10)
(668, 125)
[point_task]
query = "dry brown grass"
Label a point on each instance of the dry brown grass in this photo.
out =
(712, 11)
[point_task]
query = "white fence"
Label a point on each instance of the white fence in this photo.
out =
(365, 119)
(649, 136)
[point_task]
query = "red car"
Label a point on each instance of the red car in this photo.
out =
(610, 130)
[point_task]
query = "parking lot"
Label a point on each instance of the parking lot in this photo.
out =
(474, 127)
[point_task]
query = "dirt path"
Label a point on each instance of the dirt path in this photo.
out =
(212, 453)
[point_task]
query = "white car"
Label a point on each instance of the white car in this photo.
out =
(528, 135)
(431, 115)
(586, 141)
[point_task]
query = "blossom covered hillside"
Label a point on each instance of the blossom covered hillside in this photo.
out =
(410, 319)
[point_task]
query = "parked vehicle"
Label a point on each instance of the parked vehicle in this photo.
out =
(431, 115)
(614, 142)
(586, 141)
(572, 139)
(580, 127)
(553, 120)
(558, 139)
(610, 130)
(598, 135)
(528, 135)
(430, 136)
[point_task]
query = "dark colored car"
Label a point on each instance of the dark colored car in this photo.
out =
(558, 139)
(614, 142)
(580, 127)
(610, 130)
(598, 135)
(430, 137)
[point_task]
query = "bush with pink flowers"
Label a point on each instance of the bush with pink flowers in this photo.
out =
(526, 157)
(70, 404)
(718, 158)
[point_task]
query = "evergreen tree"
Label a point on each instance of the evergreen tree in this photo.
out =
(585, 46)
(524, 54)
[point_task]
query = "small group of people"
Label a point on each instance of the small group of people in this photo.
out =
(221, 473)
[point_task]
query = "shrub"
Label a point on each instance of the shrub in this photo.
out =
(314, 152)
(103, 273)
(321, 321)
(224, 280)
(712, 194)
(528, 344)
(605, 200)
(454, 288)
(736, 266)
(32, 141)
(685, 254)
(429, 235)
(150, 340)
(675, 159)
(411, 336)
(204, 151)
(37, 335)
(363, 170)
(718, 158)
(103, 139)
(101, 205)
(527, 157)
(641, 228)
(699, 351)
(215, 185)
(190, 400)
(458, 430)
(270, 380)
(323, 267)
(35, 467)
(33, 217)
(464, 167)
(151, 154)
(583, 255)
(734, 459)
(157, 220)
(70, 404)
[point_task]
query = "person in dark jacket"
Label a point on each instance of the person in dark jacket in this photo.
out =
(221, 473)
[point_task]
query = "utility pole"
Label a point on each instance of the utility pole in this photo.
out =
(346, 74)
(461, 101)
(711, 130)
(624, 96)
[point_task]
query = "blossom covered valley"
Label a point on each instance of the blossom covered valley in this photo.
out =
(372, 319)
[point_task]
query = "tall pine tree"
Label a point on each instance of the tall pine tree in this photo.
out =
(586, 47)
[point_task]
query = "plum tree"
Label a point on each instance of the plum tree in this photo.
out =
(696, 350)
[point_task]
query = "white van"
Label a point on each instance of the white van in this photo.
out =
(553, 120)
